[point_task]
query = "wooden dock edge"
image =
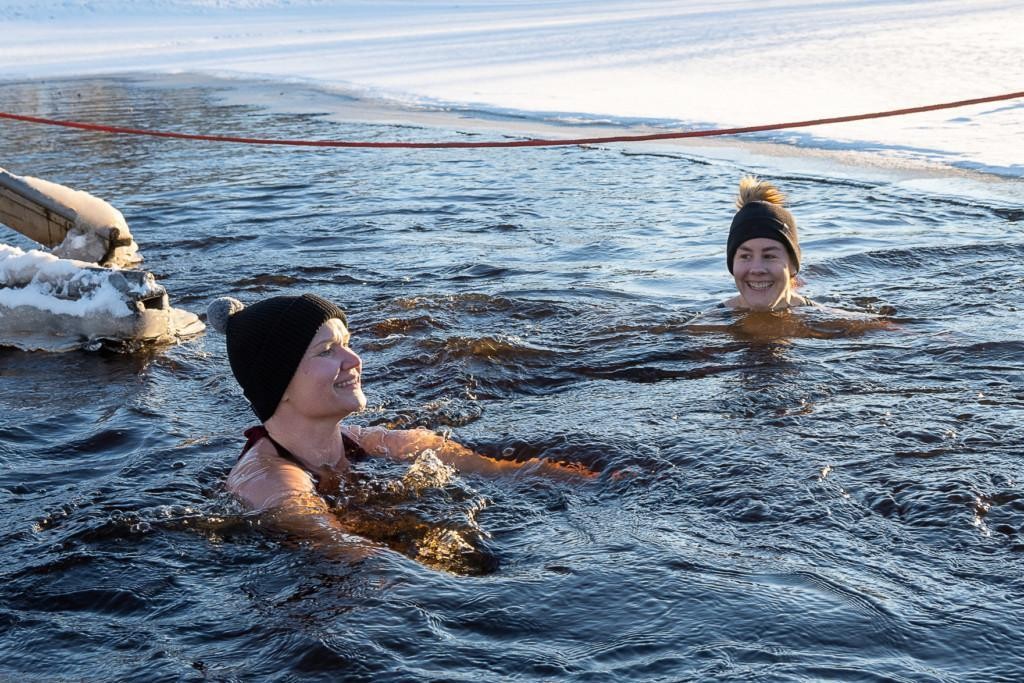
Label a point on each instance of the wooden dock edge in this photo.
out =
(23, 213)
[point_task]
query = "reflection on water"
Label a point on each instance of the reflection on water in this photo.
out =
(820, 495)
(808, 322)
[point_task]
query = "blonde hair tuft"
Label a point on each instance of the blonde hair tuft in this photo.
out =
(753, 190)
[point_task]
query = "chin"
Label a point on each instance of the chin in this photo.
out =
(763, 301)
(359, 404)
(350, 401)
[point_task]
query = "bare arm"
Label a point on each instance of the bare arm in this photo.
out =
(406, 444)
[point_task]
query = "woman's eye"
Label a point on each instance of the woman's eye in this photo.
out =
(325, 352)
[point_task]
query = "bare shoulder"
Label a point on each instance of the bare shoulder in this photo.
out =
(801, 301)
(262, 479)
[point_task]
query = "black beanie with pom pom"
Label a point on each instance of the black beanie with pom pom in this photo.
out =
(266, 342)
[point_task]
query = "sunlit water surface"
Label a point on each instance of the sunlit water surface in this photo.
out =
(817, 503)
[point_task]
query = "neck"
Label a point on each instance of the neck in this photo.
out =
(314, 442)
(787, 300)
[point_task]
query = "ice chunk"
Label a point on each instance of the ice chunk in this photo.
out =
(56, 304)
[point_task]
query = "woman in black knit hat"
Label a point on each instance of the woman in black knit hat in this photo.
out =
(763, 251)
(292, 358)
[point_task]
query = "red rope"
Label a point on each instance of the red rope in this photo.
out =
(512, 143)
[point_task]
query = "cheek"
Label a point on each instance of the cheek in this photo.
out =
(318, 373)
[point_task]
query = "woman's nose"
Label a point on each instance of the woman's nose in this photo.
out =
(350, 360)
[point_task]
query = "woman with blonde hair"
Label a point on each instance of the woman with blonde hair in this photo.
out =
(763, 251)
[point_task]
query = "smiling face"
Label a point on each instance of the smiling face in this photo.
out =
(764, 274)
(327, 381)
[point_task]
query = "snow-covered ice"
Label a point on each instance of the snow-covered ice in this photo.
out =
(54, 301)
(662, 62)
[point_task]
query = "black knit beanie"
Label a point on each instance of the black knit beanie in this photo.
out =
(763, 219)
(266, 342)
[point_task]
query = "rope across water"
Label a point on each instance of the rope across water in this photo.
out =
(678, 135)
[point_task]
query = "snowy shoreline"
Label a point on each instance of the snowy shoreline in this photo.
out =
(654, 64)
(753, 153)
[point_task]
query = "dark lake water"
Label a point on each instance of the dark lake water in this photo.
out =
(814, 504)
